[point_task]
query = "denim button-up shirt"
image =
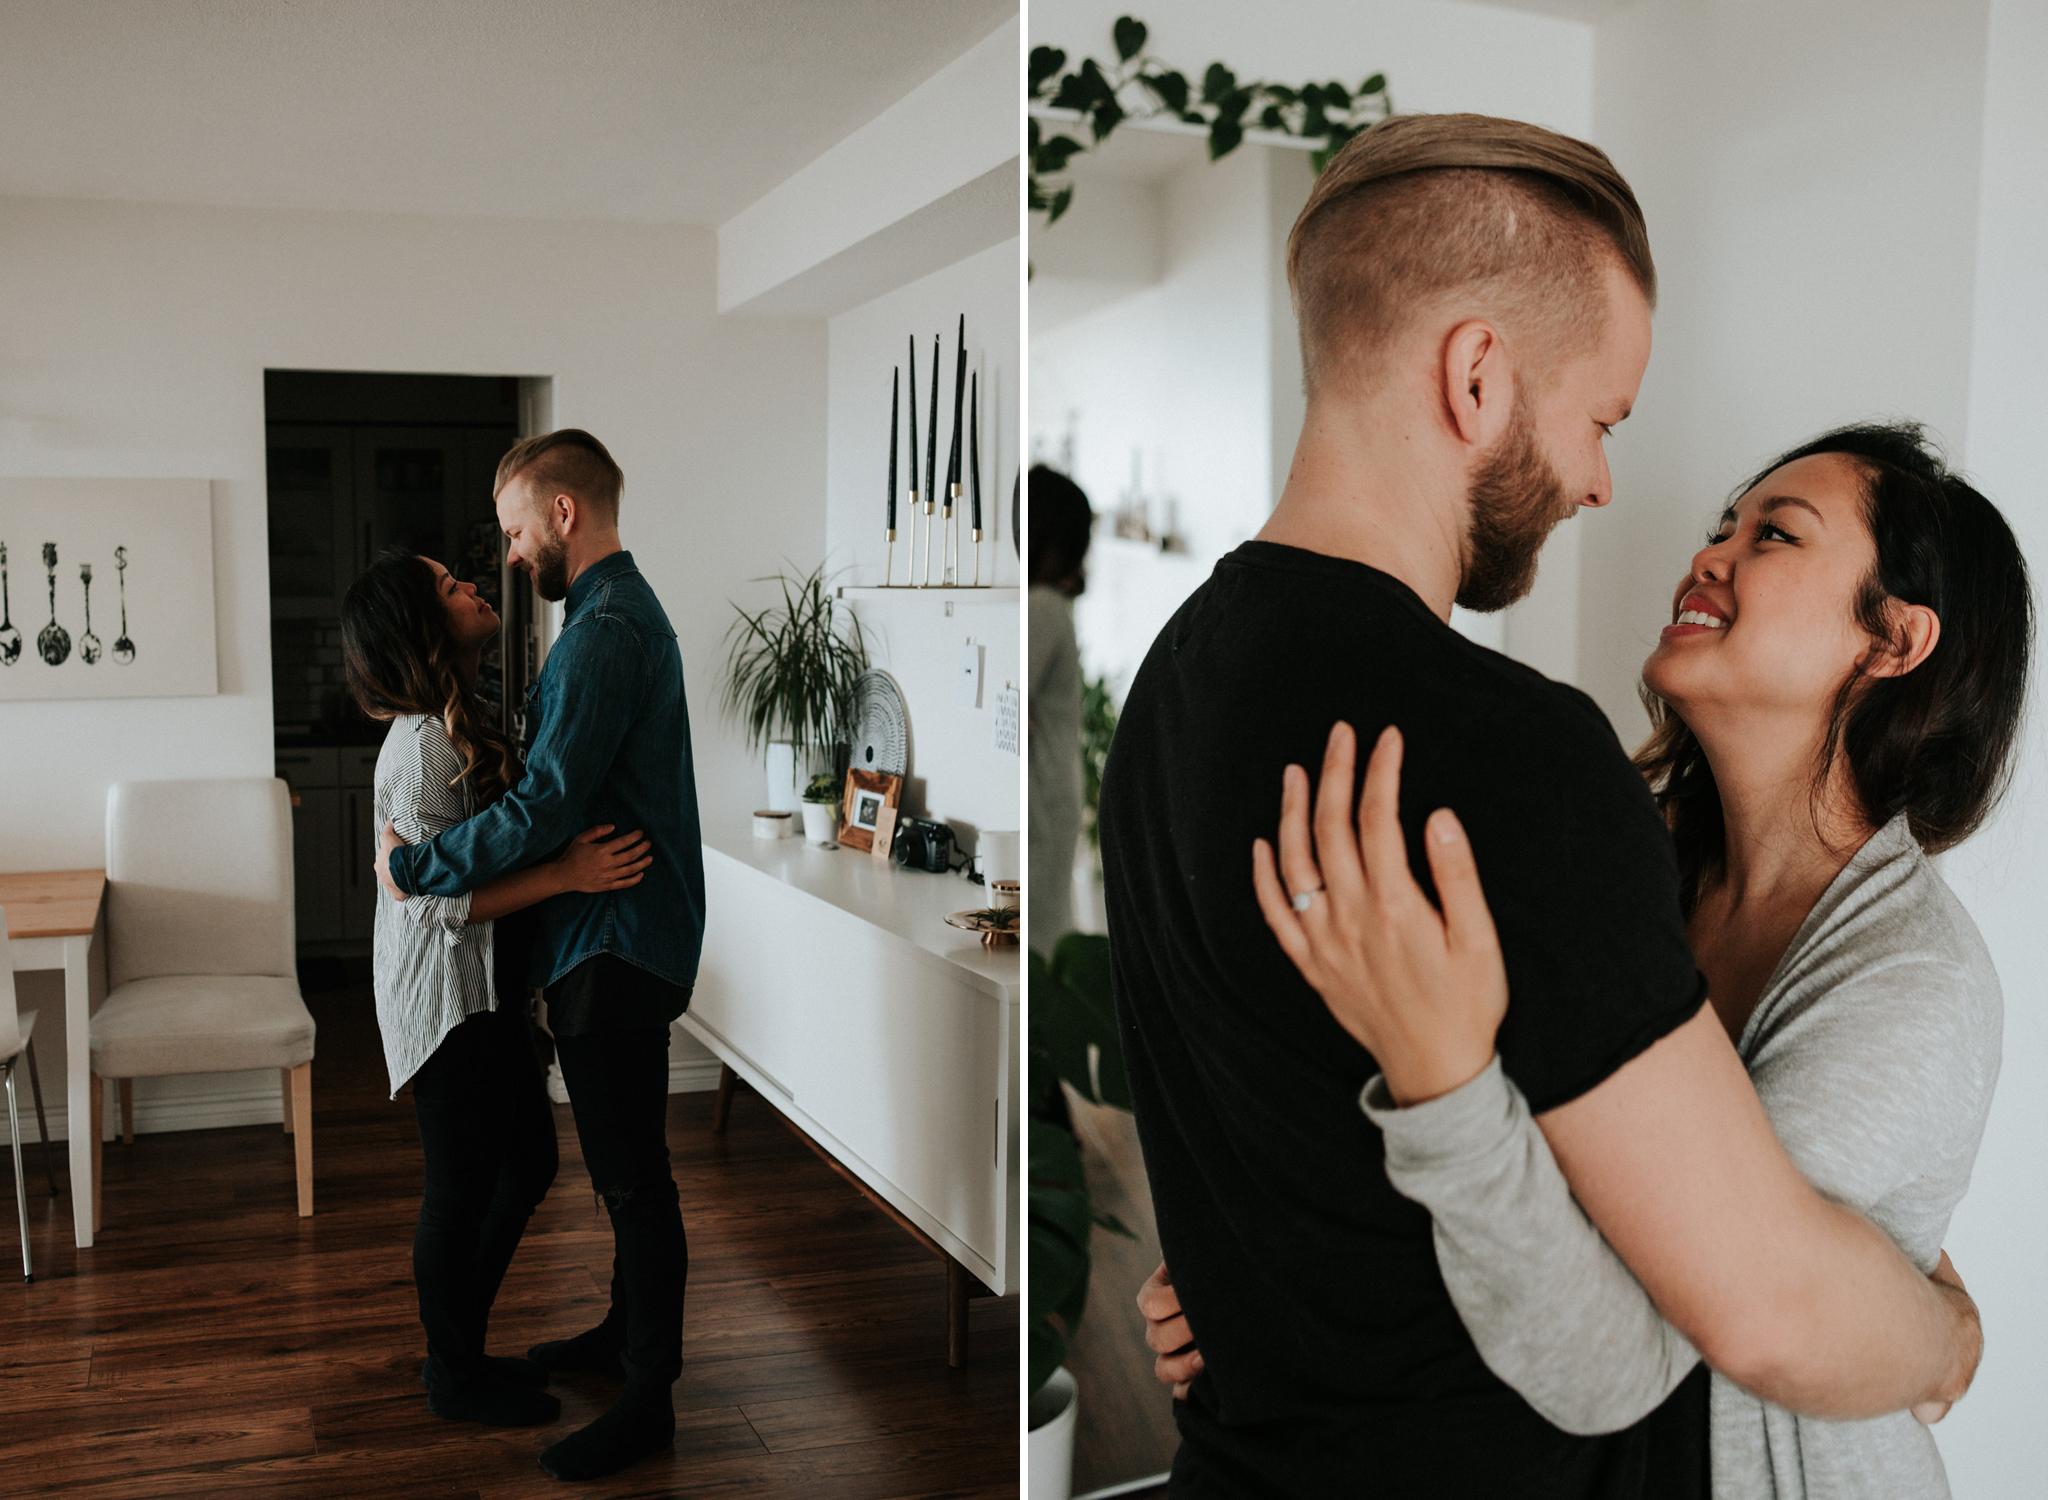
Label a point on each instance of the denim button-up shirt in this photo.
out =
(611, 744)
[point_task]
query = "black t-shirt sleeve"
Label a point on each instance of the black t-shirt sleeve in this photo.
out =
(1583, 884)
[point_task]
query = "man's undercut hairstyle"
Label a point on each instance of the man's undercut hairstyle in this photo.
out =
(1459, 213)
(566, 462)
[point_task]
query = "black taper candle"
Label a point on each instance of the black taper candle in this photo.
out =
(895, 380)
(931, 433)
(974, 455)
(959, 395)
(913, 413)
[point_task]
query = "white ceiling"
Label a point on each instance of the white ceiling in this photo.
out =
(680, 111)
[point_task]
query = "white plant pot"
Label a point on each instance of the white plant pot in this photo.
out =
(1050, 1445)
(821, 822)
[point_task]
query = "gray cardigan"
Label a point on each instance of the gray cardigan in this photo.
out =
(1874, 1049)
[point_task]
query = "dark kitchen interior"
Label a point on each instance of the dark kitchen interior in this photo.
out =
(359, 462)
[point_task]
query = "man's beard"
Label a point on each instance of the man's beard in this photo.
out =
(548, 562)
(1517, 499)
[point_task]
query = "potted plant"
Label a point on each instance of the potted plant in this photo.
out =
(1073, 1041)
(821, 808)
(788, 672)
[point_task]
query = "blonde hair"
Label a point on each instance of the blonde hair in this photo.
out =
(568, 461)
(1424, 209)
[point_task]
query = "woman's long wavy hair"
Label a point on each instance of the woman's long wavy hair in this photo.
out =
(1936, 743)
(399, 658)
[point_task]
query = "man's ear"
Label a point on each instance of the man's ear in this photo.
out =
(1916, 631)
(565, 512)
(1478, 385)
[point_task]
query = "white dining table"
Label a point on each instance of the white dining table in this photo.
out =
(52, 916)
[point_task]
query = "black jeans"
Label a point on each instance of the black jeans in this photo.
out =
(488, 1135)
(618, 1089)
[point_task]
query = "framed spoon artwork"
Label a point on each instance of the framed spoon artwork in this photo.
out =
(152, 541)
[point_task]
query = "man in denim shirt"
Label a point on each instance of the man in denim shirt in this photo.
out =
(610, 737)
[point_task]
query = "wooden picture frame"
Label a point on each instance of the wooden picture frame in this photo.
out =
(867, 794)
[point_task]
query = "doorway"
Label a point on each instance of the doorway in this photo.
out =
(358, 463)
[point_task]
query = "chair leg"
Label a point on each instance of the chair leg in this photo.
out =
(284, 1090)
(35, 1084)
(127, 1111)
(302, 1133)
(28, 1270)
(96, 1112)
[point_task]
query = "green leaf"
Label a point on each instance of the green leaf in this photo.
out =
(1280, 92)
(1311, 94)
(1048, 1351)
(1055, 1158)
(1130, 37)
(1225, 136)
(1078, 91)
(1107, 114)
(1270, 118)
(1314, 122)
(1055, 153)
(1335, 95)
(1377, 84)
(1170, 89)
(1060, 200)
(1045, 64)
(1058, 1270)
(1217, 83)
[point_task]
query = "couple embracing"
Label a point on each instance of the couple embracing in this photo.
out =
(1621, 1167)
(501, 876)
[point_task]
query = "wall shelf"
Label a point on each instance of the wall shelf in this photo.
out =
(1005, 594)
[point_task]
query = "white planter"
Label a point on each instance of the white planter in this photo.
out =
(821, 822)
(1050, 1445)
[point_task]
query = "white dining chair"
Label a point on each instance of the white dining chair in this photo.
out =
(18, 1040)
(202, 971)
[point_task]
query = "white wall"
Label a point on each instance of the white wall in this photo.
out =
(957, 774)
(864, 346)
(1995, 1442)
(1815, 237)
(137, 337)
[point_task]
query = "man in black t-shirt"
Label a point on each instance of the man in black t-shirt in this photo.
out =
(1474, 300)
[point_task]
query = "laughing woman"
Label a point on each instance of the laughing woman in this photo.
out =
(449, 974)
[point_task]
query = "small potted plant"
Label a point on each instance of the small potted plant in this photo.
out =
(821, 809)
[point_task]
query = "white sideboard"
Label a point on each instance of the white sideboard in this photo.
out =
(831, 984)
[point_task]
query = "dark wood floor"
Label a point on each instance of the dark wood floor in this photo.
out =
(212, 1343)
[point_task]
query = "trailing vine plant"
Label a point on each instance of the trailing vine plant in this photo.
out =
(1138, 86)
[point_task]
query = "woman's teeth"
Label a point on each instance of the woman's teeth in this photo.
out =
(1697, 617)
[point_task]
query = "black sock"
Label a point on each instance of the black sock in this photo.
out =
(480, 1395)
(638, 1426)
(595, 1351)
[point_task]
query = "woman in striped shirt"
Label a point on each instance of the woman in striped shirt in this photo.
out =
(412, 636)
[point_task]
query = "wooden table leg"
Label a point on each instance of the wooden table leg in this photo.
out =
(957, 1283)
(723, 1110)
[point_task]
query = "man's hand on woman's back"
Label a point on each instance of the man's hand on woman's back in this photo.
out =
(1167, 1331)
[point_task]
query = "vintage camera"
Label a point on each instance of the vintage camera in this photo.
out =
(923, 845)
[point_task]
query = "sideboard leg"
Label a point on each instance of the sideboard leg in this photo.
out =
(958, 1281)
(726, 1079)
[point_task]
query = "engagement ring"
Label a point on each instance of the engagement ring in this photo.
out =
(1303, 900)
